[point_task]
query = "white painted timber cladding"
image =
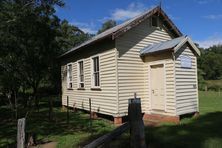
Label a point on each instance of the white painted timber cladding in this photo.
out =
(186, 93)
(133, 75)
(104, 101)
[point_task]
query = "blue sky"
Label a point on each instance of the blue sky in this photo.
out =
(199, 19)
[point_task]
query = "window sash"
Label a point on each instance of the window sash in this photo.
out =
(69, 75)
(96, 74)
(81, 74)
(154, 21)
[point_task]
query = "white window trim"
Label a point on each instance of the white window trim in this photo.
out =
(67, 76)
(78, 74)
(92, 78)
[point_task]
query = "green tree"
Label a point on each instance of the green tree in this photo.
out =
(211, 62)
(31, 37)
(28, 32)
(70, 36)
(107, 25)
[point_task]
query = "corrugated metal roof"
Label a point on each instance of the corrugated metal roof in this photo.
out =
(108, 32)
(162, 46)
(126, 26)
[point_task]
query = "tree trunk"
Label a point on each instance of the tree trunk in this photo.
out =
(16, 104)
(50, 109)
(9, 96)
(21, 133)
(36, 98)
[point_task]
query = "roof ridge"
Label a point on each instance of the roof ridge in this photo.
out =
(123, 27)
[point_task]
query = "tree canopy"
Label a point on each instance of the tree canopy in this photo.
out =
(31, 37)
(107, 25)
(210, 62)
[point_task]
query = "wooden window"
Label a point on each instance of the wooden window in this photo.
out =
(154, 21)
(69, 76)
(80, 74)
(95, 72)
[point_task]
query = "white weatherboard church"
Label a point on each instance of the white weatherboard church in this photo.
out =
(146, 55)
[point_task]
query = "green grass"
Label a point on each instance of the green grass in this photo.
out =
(76, 133)
(202, 132)
(210, 101)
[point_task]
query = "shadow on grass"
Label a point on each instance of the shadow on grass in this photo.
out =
(202, 132)
(56, 129)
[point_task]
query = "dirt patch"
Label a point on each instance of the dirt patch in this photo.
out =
(46, 145)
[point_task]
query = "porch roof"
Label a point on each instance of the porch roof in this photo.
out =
(173, 45)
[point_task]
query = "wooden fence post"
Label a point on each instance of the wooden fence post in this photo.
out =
(50, 108)
(90, 115)
(137, 136)
(67, 109)
(21, 133)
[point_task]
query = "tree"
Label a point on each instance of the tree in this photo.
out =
(31, 38)
(28, 32)
(107, 25)
(70, 36)
(211, 62)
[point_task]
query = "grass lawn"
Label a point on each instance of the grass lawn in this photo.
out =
(202, 132)
(76, 134)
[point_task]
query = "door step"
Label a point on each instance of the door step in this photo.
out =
(156, 118)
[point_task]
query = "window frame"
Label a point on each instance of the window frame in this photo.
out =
(92, 73)
(68, 75)
(79, 82)
(157, 22)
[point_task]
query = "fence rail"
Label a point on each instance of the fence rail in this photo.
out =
(108, 137)
(135, 124)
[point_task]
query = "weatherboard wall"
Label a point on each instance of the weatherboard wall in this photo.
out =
(133, 72)
(103, 101)
(186, 83)
(165, 58)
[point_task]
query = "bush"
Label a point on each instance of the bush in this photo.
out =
(214, 85)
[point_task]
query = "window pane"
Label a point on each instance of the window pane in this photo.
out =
(81, 85)
(81, 78)
(98, 80)
(70, 72)
(81, 67)
(81, 74)
(96, 71)
(97, 60)
(154, 21)
(69, 76)
(95, 83)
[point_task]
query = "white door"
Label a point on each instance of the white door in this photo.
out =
(157, 87)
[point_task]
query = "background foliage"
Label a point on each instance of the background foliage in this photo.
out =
(210, 68)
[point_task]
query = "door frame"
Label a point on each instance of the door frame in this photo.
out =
(159, 62)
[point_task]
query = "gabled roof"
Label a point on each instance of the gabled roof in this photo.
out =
(174, 44)
(121, 28)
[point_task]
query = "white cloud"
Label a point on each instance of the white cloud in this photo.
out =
(131, 11)
(86, 27)
(89, 30)
(213, 17)
(210, 41)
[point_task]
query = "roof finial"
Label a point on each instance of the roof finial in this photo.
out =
(160, 4)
